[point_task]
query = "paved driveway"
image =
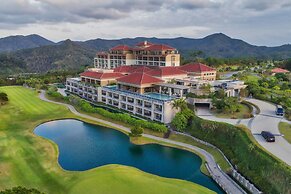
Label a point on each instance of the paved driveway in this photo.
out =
(265, 121)
(268, 121)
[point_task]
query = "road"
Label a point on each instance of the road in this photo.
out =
(266, 120)
(217, 174)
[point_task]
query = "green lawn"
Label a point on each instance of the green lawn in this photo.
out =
(244, 112)
(285, 129)
(31, 161)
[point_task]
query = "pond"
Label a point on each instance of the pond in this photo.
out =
(84, 146)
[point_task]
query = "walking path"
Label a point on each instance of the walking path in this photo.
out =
(266, 120)
(226, 183)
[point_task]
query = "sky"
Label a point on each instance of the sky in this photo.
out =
(259, 22)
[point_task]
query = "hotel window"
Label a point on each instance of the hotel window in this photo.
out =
(173, 59)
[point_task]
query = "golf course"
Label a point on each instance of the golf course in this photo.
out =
(31, 161)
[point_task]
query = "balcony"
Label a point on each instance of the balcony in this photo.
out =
(130, 100)
(123, 106)
(147, 105)
(115, 103)
(116, 96)
(147, 113)
(139, 111)
(158, 117)
(139, 102)
(123, 98)
(130, 108)
(158, 108)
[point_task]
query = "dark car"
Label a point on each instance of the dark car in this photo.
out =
(269, 137)
(279, 110)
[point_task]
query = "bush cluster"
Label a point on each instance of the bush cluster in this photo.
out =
(53, 92)
(20, 190)
(136, 131)
(182, 119)
(3, 98)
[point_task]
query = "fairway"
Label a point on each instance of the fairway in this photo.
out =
(31, 161)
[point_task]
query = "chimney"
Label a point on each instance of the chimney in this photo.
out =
(145, 42)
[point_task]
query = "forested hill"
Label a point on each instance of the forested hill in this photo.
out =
(67, 56)
(13, 43)
(216, 45)
(41, 55)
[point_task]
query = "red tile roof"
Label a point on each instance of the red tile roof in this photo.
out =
(279, 70)
(159, 47)
(142, 69)
(125, 69)
(133, 68)
(166, 71)
(120, 48)
(155, 47)
(144, 43)
(196, 67)
(139, 79)
(101, 75)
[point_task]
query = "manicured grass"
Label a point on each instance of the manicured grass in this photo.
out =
(285, 129)
(31, 161)
(244, 112)
(251, 78)
(112, 183)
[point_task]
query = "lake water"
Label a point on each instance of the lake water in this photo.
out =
(83, 146)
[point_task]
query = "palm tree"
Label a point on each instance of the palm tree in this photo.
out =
(180, 103)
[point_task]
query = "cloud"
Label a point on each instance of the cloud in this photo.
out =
(262, 5)
(250, 19)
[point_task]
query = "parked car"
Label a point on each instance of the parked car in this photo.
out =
(269, 137)
(279, 110)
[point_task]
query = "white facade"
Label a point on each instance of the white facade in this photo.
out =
(101, 62)
(138, 104)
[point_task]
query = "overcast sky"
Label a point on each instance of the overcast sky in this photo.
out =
(260, 22)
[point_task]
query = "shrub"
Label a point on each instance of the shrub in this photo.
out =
(136, 131)
(20, 190)
(53, 92)
(181, 119)
(3, 97)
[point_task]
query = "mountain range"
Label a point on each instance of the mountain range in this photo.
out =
(34, 53)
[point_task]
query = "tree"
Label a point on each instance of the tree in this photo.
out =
(3, 98)
(180, 103)
(179, 122)
(264, 84)
(136, 131)
(220, 93)
(181, 119)
(281, 77)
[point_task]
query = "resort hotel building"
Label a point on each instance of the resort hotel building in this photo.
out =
(143, 80)
(144, 53)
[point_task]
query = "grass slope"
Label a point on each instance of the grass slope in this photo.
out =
(285, 129)
(31, 161)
